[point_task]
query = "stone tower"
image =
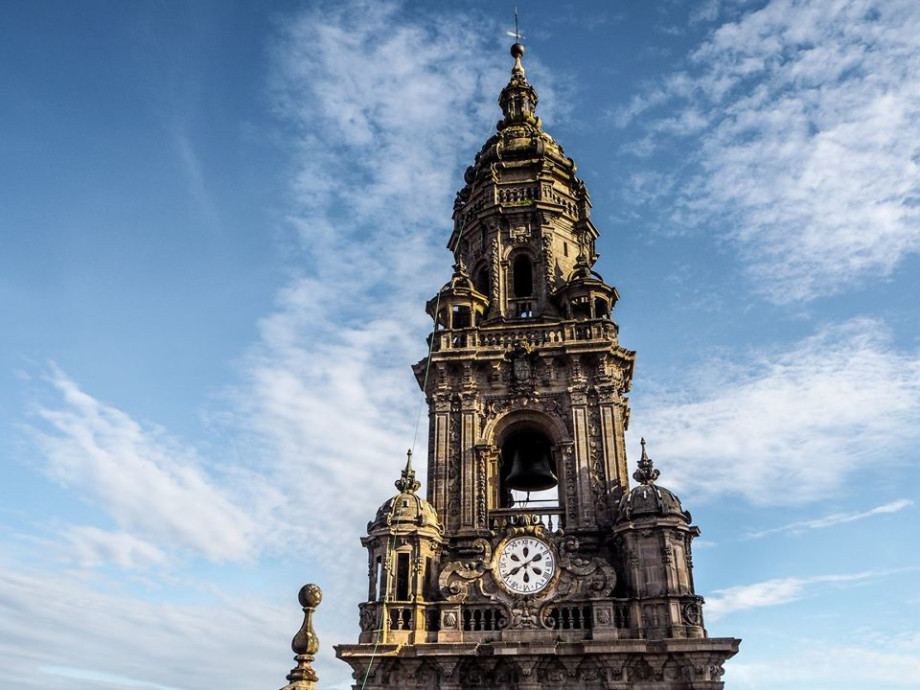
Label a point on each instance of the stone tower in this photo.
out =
(531, 563)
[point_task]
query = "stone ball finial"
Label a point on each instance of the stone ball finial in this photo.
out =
(305, 643)
(310, 596)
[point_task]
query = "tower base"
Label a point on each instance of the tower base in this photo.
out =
(673, 664)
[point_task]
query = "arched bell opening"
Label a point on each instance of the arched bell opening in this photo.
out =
(528, 476)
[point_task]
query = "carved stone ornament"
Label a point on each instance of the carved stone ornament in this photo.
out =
(305, 644)
(522, 358)
(692, 613)
(368, 616)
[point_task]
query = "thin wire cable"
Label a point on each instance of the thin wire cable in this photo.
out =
(418, 421)
(381, 631)
(421, 404)
(434, 332)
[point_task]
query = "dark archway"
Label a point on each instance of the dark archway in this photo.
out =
(522, 276)
(528, 470)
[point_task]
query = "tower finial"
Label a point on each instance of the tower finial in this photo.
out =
(305, 643)
(407, 483)
(517, 50)
(518, 100)
(646, 474)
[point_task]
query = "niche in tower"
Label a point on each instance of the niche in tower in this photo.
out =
(522, 272)
(481, 279)
(528, 474)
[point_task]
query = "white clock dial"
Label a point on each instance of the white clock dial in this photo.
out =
(526, 565)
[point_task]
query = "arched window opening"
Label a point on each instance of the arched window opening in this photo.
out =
(600, 308)
(523, 277)
(402, 576)
(528, 471)
(429, 581)
(461, 317)
(481, 280)
(581, 308)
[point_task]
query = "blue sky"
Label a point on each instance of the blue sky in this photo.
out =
(220, 223)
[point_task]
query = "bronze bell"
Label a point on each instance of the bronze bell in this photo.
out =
(531, 472)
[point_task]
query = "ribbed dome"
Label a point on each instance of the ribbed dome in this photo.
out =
(520, 134)
(648, 500)
(405, 510)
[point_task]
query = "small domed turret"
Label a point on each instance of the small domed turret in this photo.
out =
(406, 510)
(649, 500)
(585, 295)
(458, 304)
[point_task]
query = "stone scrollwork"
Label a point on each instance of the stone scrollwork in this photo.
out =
(458, 577)
(582, 577)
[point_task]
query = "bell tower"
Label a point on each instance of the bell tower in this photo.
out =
(531, 562)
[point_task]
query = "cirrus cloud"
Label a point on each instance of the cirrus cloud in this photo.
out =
(806, 123)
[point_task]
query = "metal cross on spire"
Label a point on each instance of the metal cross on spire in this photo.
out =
(517, 33)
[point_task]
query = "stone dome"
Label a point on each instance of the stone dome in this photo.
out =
(648, 500)
(405, 510)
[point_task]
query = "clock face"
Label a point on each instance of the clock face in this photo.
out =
(526, 565)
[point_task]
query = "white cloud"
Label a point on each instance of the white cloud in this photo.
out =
(788, 425)
(892, 660)
(808, 118)
(771, 592)
(93, 547)
(146, 482)
(61, 632)
(834, 519)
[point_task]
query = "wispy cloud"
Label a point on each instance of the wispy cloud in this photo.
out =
(79, 674)
(788, 425)
(147, 483)
(772, 592)
(892, 660)
(387, 108)
(92, 547)
(834, 519)
(193, 171)
(91, 631)
(807, 118)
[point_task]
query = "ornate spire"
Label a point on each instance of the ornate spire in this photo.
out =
(407, 483)
(518, 99)
(305, 643)
(460, 269)
(646, 474)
